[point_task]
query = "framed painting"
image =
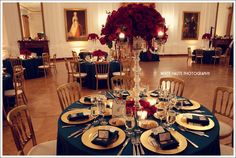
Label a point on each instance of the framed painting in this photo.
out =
(76, 24)
(190, 27)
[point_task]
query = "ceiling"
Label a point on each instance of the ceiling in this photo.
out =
(33, 7)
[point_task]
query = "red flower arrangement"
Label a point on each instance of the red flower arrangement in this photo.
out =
(145, 106)
(93, 36)
(206, 36)
(133, 20)
(99, 53)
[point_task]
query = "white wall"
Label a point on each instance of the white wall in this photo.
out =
(96, 16)
(35, 23)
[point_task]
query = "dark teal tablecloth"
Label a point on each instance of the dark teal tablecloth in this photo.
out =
(207, 56)
(90, 80)
(7, 83)
(147, 56)
(74, 146)
(30, 65)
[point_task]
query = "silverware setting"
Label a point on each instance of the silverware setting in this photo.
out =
(200, 133)
(140, 145)
(193, 144)
(79, 131)
(133, 143)
(67, 126)
(124, 145)
(85, 129)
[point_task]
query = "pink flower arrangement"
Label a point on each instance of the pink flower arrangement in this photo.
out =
(145, 106)
(93, 36)
(99, 53)
(133, 20)
(206, 36)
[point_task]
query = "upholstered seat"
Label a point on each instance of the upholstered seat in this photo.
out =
(225, 129)
(101, 76)
(226, 150)
(118, 73)
(45, 148)
(11, 92)
(78, 75)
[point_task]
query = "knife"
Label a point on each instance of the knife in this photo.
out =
(85, 129)
(78, 131)
(124, 145)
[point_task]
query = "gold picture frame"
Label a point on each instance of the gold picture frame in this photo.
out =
(75, 24)
(190, 28)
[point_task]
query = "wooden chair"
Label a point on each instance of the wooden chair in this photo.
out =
(18, 91)
(68, 93)
(190, 55)
(76, 73)
(226, 150)
(53, 63)
(18, 68)
(69, 71)
(218, 53)
(16, 62)
(118, 81)
(225, 55)
(198, 55)
(223, 108)
(125, 67)
(102, 72)
(22, 130)
(46, 64)
(174, 85)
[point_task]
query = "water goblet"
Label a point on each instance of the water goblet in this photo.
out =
(161, 114)
(129, 122)
(94, 113)
(102, 111)
(170, 118)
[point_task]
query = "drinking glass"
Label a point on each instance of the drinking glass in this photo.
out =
(102, 111)
(170, 118)
(161, 113)
(129, 122)
(94, 113)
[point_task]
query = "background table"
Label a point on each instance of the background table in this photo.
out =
(83, 55)
(30, 65)
(90, 80)
(7, 84)
(147, 56)
(207, 56)
(74, 146)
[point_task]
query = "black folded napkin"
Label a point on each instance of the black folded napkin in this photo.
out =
(109, 95)
(87, 99)
(186, 102)
(202, 120)
(165, 140)
(77, 117)
(105, 138)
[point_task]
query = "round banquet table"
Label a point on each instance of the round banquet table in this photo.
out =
(207, 56)
(30, 65)
(74, 146)
(90, 80)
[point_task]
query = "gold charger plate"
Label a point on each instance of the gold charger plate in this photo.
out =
(65, 115)
(145, 140)
(181, 120)
(195, 106)
(89, 135)
(91, 96)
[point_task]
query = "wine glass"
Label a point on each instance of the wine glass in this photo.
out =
(102, 111)
(161, 113)
(129, 122)
(94, 113)
(170, 118)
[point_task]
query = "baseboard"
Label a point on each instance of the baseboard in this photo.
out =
(168, 55)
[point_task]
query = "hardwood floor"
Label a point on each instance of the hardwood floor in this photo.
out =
(45, 109)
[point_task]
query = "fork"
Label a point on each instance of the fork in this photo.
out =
(140, 145)
(200, 133)
(137, 145)
(133, 143)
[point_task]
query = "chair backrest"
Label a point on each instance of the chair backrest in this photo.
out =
(218, 51)
(21, 126)
(46, 59)
(54, 59)
(75, 56)
(75, 67)
(67, 66)
(17, 68)
(68, 94)
(199, 52)
(102, 67)
(174, 85)
(15, 61)
(223, 102)
(117, 82)
(18, 80)
(189, 51)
